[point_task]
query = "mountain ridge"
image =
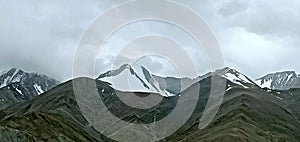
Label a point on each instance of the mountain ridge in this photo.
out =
(248, 112)
(17, 86)
(283, 80)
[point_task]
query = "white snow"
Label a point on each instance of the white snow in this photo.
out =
(16, 79)
(19, 91)
(244, 78)
(278, 98)
(236, 79)
(10, 79)
(266, 84)
(289, 77)
(38, 89)
(125, 81)
(16, 71)
(228, 88)
(5, 82)
(258, 82)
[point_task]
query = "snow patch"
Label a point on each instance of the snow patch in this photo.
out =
(19, 91)
(236, 79)
(228, 88)
(289, 77)
(38, 89)
(278, 98)
(5, 82)
(266, 84)
(258, 82)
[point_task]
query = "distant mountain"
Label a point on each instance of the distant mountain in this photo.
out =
(17, 85)
(236, 78)
(126, 78)
(177, 85)
(280, 80)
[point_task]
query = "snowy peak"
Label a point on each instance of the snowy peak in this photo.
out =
(280, 80)
(125, 69)
(10, 76)
(236, 77)
(127, 78)
(27, 84)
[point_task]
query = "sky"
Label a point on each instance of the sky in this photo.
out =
(256, 37)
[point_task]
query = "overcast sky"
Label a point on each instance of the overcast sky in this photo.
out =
(255, 36)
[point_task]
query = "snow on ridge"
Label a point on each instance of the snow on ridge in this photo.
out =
(4, 82)
(279, 80)
(234, 78)
(258, 82)
(289, 77)
(10, 78)
(128, 79)
(38, 89)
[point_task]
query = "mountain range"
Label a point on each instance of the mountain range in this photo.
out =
(35, 107)
(17, 86)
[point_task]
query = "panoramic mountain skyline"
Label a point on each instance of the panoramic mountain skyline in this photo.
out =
(66, 112)
(149, 71)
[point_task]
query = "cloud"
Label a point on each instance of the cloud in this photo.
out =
(41, 36)
(256, 36)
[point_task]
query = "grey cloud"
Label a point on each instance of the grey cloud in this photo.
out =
(41, 36)
(256, 36)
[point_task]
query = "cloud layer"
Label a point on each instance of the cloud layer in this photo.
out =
(256, 36)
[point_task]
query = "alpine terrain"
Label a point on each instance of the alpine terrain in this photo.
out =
(17, 86)
(266, 109)
(280, 81)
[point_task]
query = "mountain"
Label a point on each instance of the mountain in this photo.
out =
(236, 78)
(17, 85)
(126, 78)
(247, 113)
(280, 80)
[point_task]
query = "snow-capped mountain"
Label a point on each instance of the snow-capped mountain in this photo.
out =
(26, 84)
(280, 80)
(140, 79)
(233, 76)
(126, 78)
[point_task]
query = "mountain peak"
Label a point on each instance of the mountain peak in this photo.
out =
(11, 75)
(280, 80)
(20, 80)
(235, 77)
(127, 78)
